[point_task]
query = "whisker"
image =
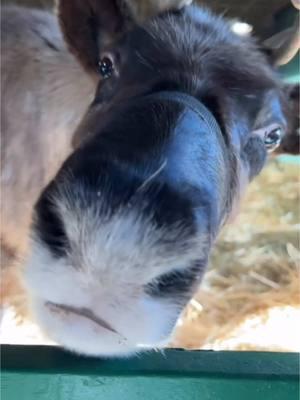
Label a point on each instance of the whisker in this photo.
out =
(151, 177)
(84, 312)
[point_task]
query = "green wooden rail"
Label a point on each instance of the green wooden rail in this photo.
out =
(44, 373)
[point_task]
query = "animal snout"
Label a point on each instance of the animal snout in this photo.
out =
(114, 259)
(122, 235)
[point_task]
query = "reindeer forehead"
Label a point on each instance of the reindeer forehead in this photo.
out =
(188, 32)
(200, 45)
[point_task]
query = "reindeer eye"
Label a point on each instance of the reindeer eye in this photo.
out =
(273, 138)
(106, 67)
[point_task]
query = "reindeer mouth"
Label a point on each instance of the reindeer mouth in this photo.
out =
(81, 312)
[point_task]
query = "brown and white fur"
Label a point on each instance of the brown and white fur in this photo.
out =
(122, 234)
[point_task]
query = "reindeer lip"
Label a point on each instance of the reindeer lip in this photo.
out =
(82, 312)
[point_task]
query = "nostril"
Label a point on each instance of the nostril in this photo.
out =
(82, 312)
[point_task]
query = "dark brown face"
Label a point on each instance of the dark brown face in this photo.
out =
(128, 224)
(194, 52)
(291, 141)
(182, 117)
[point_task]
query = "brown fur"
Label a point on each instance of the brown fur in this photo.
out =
(44, 92)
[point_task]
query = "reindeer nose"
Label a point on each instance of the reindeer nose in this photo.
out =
(82, 312)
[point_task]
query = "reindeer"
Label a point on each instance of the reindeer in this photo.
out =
(45, 93)
(180, 115)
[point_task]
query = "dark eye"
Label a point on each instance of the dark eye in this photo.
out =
(106, 66)
(273, 138)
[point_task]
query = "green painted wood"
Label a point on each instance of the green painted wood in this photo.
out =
(44, 373)
(288, 159)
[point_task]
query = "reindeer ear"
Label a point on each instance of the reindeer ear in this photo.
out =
(89, 26)
(283, 46)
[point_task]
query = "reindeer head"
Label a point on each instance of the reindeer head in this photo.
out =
(184, 114)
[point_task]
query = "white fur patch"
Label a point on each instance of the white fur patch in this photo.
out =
(109, 263)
